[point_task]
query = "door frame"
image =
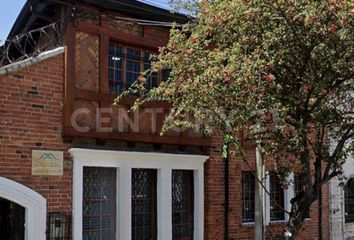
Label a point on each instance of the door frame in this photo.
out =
(35, 207)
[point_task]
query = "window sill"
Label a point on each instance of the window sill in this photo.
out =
(278, 222)
(248, 224)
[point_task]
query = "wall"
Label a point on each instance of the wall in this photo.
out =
(214, 201)
(338, 228)
(31, 102)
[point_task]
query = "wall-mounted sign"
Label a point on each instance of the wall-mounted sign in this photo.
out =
(47, 163)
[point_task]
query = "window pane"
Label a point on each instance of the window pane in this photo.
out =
(98, 205)
(115, 58)
(144, 204)
(165, 74)
(248, 194)
(349, 201)
(182, 204)
(298, 184)
(276, 199)
(134, 54)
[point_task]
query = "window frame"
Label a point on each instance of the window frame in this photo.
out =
(124, 162)
(348, 218)
(280, 194)
(113, 192)
(243, 196)
(153, 184)
(124, 59)
(190, 191)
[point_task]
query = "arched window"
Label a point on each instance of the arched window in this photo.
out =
(349, 201)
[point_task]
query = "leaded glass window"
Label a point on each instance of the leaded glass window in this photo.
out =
(349, 201)
(99, 203)
(133, 66)
(248, 195)
(126, 64)
(276, 199)
(182, 204)
(115, 68)
(152, 78)
(144, 204)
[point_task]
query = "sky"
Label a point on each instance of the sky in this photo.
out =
(9, 10)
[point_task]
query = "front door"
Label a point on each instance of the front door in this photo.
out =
(12, 220)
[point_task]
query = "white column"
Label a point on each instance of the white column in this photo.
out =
(267, 198)
(164, 202)
(125, 204)
(199, 203)
(77, 200)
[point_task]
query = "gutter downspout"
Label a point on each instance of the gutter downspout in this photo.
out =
(319, 202)
(227, 199)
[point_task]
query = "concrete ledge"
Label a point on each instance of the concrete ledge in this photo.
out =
(30, 61)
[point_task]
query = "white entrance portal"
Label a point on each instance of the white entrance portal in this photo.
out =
(35, 207)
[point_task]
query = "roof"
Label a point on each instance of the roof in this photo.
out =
(38, 13)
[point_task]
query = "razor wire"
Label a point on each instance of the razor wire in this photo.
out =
(30, 44)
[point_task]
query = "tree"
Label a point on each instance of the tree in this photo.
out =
(279, 72)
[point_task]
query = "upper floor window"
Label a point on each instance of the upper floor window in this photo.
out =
(126, 64)
(248, 195)
(276, 198)
(349, 201)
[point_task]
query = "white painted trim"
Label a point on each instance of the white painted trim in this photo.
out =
(124, 162)
(288, 195)
(31, 60)
(267, 198)
(35, 207)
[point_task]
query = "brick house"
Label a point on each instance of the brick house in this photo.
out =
(77, 167)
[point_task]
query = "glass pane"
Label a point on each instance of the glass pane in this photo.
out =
(182, 204)
(349, 201)
(298, 184)
(99, 200)
(115, 59)
(248, 194)
(133, 53)
(276, 199)
(146, 57)
(144, 204)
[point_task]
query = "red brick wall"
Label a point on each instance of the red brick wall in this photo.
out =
(214, 201)
(31, 101)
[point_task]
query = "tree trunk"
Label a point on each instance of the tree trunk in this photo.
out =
(299, 209)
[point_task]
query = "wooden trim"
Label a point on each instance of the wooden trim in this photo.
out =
(97, 97)
(103, 67)
(126, 38)
(138, 137)
(69, 74)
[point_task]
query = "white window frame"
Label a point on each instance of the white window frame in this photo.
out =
(288, 195)
(124, 162)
